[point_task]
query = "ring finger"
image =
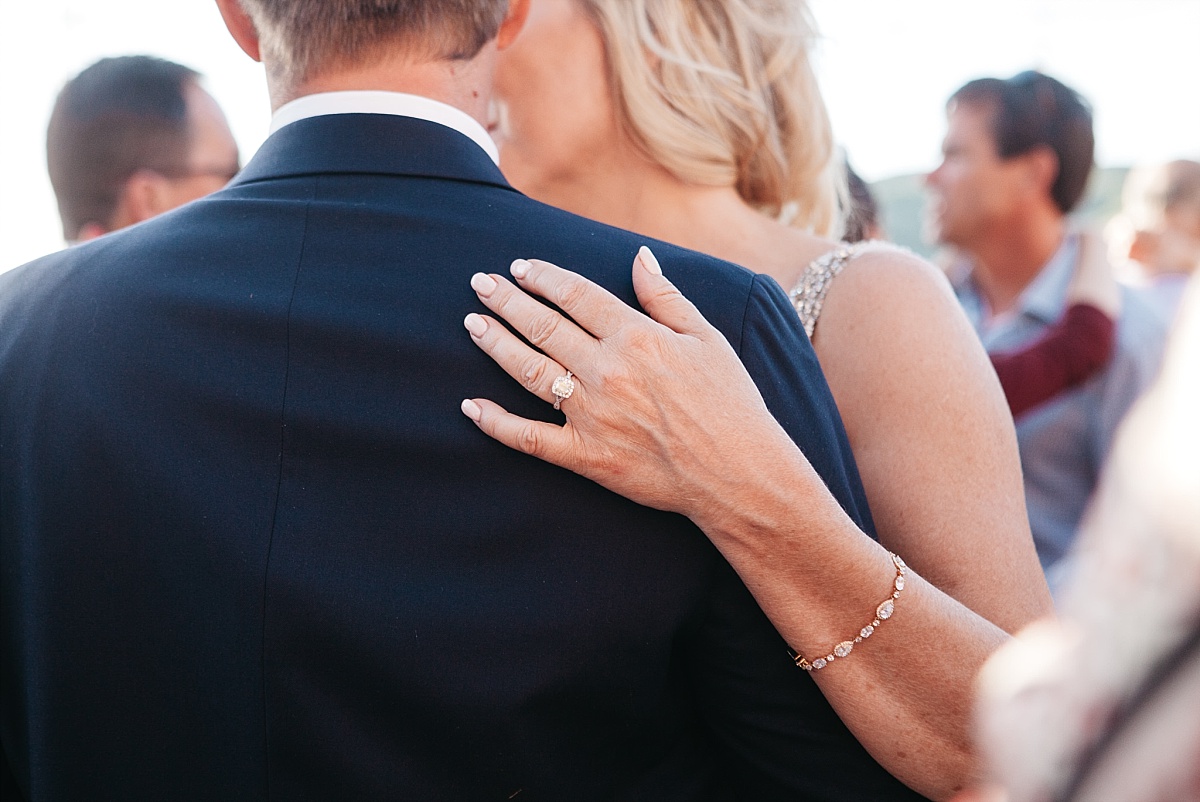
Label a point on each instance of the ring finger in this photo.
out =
(535, 371)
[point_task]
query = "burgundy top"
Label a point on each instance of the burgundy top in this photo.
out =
(1070, 352)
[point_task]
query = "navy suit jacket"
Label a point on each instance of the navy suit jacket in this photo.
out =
(252, 549)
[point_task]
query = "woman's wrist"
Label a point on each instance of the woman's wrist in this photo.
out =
(741, 504)
(832, 575)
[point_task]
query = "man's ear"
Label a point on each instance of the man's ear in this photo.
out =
(514, 21)
(1041, 169)
(241, 27)
(146, 194)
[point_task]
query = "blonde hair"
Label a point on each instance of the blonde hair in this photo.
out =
(723, 93)
(302, 37)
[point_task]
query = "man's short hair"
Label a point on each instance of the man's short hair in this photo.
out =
(117, 117)
(302, 37)
(1032, 110)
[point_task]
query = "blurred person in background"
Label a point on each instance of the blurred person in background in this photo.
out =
(861, 212)
(1101, 704)
(1016, 159)
(132, 137)
(1161, 215)
(1073, 348)
(1068, 353)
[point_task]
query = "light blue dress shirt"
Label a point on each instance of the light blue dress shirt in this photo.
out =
(1064, 442)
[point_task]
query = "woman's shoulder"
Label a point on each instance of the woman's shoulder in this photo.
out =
(883, 317)
(868, 273)
(892, 267)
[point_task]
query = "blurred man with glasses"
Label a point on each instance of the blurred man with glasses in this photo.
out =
(133, 137)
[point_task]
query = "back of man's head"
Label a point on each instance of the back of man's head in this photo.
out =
(117, 117)
(301, 38)
(1032, 110)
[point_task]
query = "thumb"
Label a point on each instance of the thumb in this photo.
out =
(661, 300)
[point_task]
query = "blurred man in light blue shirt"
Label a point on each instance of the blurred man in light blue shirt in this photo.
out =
(1016, 160)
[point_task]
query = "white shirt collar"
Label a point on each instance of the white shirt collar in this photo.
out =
(378, 102)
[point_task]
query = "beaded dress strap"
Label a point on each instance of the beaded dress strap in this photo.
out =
(808, 296)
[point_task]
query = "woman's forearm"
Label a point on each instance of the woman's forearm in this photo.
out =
(905, 691)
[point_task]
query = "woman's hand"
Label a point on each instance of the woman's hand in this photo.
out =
(661, 404)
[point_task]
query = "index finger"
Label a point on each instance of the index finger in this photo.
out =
(587, 303)
(546, 329)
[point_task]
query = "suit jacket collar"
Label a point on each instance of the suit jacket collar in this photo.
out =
(378, 144)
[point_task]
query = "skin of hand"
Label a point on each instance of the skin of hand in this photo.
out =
(1093, 282)
(638, 445)
(645, 423)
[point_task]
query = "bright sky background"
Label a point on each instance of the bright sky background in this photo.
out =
(886, 66)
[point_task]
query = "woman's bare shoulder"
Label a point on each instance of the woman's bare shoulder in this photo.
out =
(881, 268)
(881, 285)
(887, 312)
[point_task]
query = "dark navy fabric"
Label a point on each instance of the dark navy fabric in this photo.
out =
(251, 549)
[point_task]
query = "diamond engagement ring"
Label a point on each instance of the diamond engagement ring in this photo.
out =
(562, 388)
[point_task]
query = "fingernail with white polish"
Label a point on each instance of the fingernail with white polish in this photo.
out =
(520, 268)
(649, 261)
(475, 324)
(483, 284)
(472, 410)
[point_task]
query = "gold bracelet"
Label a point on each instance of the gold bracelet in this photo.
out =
(882, 613)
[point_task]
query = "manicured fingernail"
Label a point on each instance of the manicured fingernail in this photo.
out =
(483, 284)
(475, 324)
(520, 268)
(649, 261)
(472, 410)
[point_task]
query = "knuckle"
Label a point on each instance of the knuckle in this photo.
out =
(543, 327)
(640, 342)
(529, 440)
(621, 385)
(535, 373)
(664, 296)
(571, 293)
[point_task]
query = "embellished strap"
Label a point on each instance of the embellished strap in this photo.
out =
(808, 296)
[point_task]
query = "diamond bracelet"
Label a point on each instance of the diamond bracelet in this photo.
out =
(882, 613)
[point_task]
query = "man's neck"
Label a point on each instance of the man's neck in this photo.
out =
(466, 85)
(1007, 262)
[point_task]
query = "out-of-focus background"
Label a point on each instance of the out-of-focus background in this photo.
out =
(886, 69)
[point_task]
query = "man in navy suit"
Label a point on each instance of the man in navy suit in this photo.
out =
(252, 549)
